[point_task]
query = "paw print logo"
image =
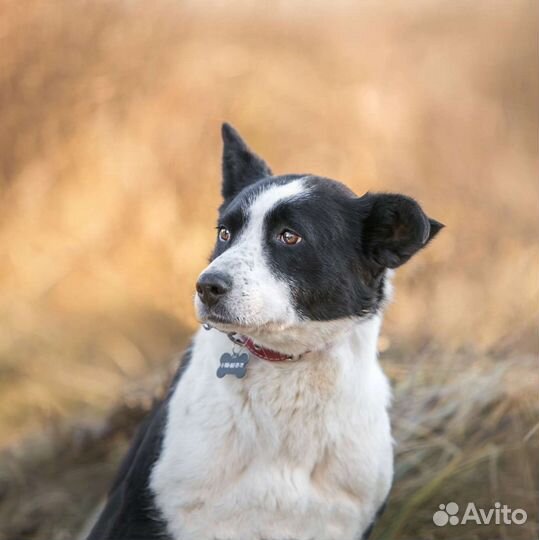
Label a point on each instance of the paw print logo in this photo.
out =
(447, 513)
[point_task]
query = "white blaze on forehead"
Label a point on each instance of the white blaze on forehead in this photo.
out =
(258, 295)
(268, 297)
(265, 201)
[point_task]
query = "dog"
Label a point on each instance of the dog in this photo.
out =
(276, 425)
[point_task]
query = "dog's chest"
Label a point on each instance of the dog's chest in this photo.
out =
(273, 457)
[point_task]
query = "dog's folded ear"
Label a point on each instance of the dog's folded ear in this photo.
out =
(394, 227)
(241, 166)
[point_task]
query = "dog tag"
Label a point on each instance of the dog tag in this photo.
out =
(233, 364)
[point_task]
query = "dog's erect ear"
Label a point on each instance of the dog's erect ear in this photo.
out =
(241, 166)
(394, 228)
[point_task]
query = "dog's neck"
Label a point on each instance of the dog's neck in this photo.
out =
(344, 374)
(317, 345)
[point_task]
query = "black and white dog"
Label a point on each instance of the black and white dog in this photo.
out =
(276, 425)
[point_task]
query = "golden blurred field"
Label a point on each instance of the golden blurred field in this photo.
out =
(110, 176)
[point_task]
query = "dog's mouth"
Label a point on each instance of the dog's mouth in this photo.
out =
(220, 320)
(288, 338)
(227, 322)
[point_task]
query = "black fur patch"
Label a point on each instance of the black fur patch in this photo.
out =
(326, 269)
(130, 512)
(338, 269)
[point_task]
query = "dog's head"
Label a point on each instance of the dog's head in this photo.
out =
(296, 255)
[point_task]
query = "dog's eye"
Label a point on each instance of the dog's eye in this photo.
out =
(223, 234)
(289, 238)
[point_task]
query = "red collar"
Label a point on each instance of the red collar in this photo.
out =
(265, 354)
(257, 350)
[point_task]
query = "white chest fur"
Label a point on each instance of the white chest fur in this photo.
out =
(293, 451)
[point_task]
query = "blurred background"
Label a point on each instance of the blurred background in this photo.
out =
(110, 114)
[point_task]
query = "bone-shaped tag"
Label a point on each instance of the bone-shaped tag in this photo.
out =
(233, 364)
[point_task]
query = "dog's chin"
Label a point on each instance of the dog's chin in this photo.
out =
(240, 327)
(293, 337)
(228, 322)
(221, 320)
(224, 325)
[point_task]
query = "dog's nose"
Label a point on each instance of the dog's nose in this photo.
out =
(212, 286)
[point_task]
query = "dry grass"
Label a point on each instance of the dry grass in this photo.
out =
(463, 434)
(109, 160)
